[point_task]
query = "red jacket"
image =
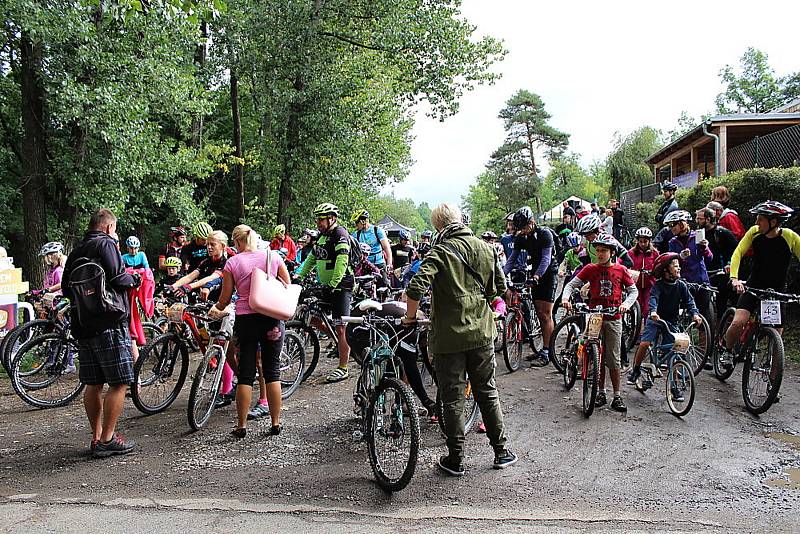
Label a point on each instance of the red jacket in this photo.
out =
(141, 296)
(642, 260)
(287, 243)
(730, 220)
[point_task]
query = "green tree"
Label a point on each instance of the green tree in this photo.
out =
(484, 204)
(625, 164)
(753, 87)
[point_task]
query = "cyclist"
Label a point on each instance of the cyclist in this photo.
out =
(330, 257)
(722, 243)
(282, 240)
(644, 256)
(208, 275)
(589, 228)
(403, 252)
(661, 240)
(491, 238)
(195, 252)
(177, 237)
(619, 218)
(425, 237)
(134, 258)
(667, 297)
(54, 259)
(609, 282)
(173, 268)
(572, 261)
(373, 235)
(538, 243)
(773, 247)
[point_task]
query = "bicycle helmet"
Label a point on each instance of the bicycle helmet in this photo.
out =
(427, 233)
(173, 261)
(522, 217)
(326, 209)
(677, 216)
(510, 217)
(644, 232)
(605, 240)
(466, 218)
(404, 235)
(133, 242)
(279, 230)
(365, 248)
(49, 248)
(358, 215)
(588, 224)
(202, 230)
(573, 239)
(772, 210)
(661, 262)
(175, 231)
(487, 235)
(312, 234)
(668, 186)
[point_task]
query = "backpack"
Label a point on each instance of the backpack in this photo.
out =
(558, 244)
(354, 256)
(96, 308)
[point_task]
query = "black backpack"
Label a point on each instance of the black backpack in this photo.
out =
(96, 307)
(558, 244)
(354, 259)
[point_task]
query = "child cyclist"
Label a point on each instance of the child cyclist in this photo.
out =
(54, 258)
(135, 258)
(667, 296)
(572, 261)
(172, 265)
(610, 285)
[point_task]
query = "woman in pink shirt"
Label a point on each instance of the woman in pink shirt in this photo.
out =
(253, 330)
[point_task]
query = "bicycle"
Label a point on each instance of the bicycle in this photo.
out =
(389, 412)
(700, 335)
(760, 347)
(312, 308)
(40, 322)
(680, 384)
(521, 322)
(584, 350)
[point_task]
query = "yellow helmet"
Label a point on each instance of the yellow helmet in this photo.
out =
(359, 214)
(173, 261)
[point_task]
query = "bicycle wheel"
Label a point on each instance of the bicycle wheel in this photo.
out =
(56, 381)
(720, 371)
(205, 386)
(159, 373)
(20, 335)
(571, 369)
(292, 363)
(680, 387)
(763, 371)
(392, 434)
(631, 326)
(590, 382)
(562, 341)
(699, 348)
(151, 331)
(515, 342)
(471, 410)
(559, 311)
(310, 345)
(536, 339)
(500, 345)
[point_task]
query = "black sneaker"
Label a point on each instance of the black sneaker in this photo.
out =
(504, 459)
(454, 468)
(600, 400)
(617, 405)
(633, 376)
(117, 445)
(223, 400)
(677, 396)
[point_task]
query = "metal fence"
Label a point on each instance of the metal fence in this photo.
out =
(630, 198)
(778, 149)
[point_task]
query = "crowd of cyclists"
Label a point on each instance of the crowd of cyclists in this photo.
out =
(707, 249)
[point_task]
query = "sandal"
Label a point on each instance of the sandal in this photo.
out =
(337, 375)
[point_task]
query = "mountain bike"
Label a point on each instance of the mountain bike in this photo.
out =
(42, 321)
(760, 347)
(521, 323)
(670, 356)
(389, 418)
(699, 334)
(583, 352)
(313, 311)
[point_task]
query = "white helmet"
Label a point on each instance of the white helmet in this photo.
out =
(588, 224)
(644, 231)
(49, 248)
(677, 216)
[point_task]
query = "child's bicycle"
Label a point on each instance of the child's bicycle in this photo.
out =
(583, 351)
(670, 356)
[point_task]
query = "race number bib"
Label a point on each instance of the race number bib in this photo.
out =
(770, 312)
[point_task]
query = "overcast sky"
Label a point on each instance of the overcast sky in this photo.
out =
(600, 67)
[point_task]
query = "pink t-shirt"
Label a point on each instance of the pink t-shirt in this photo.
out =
(241, 266)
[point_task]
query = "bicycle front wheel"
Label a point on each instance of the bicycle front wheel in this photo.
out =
(392, 434)
(562, 341)
(515, 341)
(680, 387)
(55, 381)
(590, 382)
(205, 386)
(700, 344)
(310, 345)
(19, 336)
(763, 371)
(159, 373)
(292, 363)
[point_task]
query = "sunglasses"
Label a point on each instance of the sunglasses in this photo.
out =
(673, 224)
(322, 218)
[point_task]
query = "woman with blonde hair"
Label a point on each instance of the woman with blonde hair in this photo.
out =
(208, 271)
(253, 330)
(54, 259)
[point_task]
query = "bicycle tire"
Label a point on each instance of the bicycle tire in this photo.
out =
(54, 374)
(402, 405)
(684, 382)
(205, 386)
(20, 335)
(500, 344)
(700, 350)
(163, 354)
(571, 371)
(535, 336)
(310, 345)
(293, 362)
(561, 340)
(151, 331)
(723, 373)
(590, 383)
(773, 382)
(514, 337)
(632, 326)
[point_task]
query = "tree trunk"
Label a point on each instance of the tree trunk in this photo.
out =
(237, 143)
(34, 158)
(200, 53)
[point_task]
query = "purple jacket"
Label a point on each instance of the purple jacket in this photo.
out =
(693, 268)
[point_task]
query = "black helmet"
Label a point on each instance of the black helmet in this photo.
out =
(522, 217)
(668, 186)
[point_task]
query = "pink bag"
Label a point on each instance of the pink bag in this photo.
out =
(271, 296)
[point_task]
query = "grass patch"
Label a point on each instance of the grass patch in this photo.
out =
(791, 340)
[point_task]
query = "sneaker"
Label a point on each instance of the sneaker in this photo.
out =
(239, 433)
(454, 468)
(117, 445)
(337, 374)
(617, 405)
(259, 411)
(69, 369)
(541, 359)
(93, 445)
(633, 376)
(504, 459)
(677, 396)
(600, 400)
(223, 400)
(275, 430)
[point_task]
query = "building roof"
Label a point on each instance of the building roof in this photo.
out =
(788, 107)
(697, 132)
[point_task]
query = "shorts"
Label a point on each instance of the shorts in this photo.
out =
(748, 301)
(106, 358)
(546, 288)
(254, 334)
(611, 336)
(339, 301)
(651, 331)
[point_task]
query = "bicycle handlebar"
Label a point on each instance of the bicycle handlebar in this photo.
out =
(581, 307)
(772, 294)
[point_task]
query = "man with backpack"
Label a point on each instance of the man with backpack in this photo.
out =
(97, 285)
(373, 235)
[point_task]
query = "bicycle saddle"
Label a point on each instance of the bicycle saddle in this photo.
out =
(368, 305)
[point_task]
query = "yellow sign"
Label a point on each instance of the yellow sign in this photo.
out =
(16, 288)
(10, 276)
